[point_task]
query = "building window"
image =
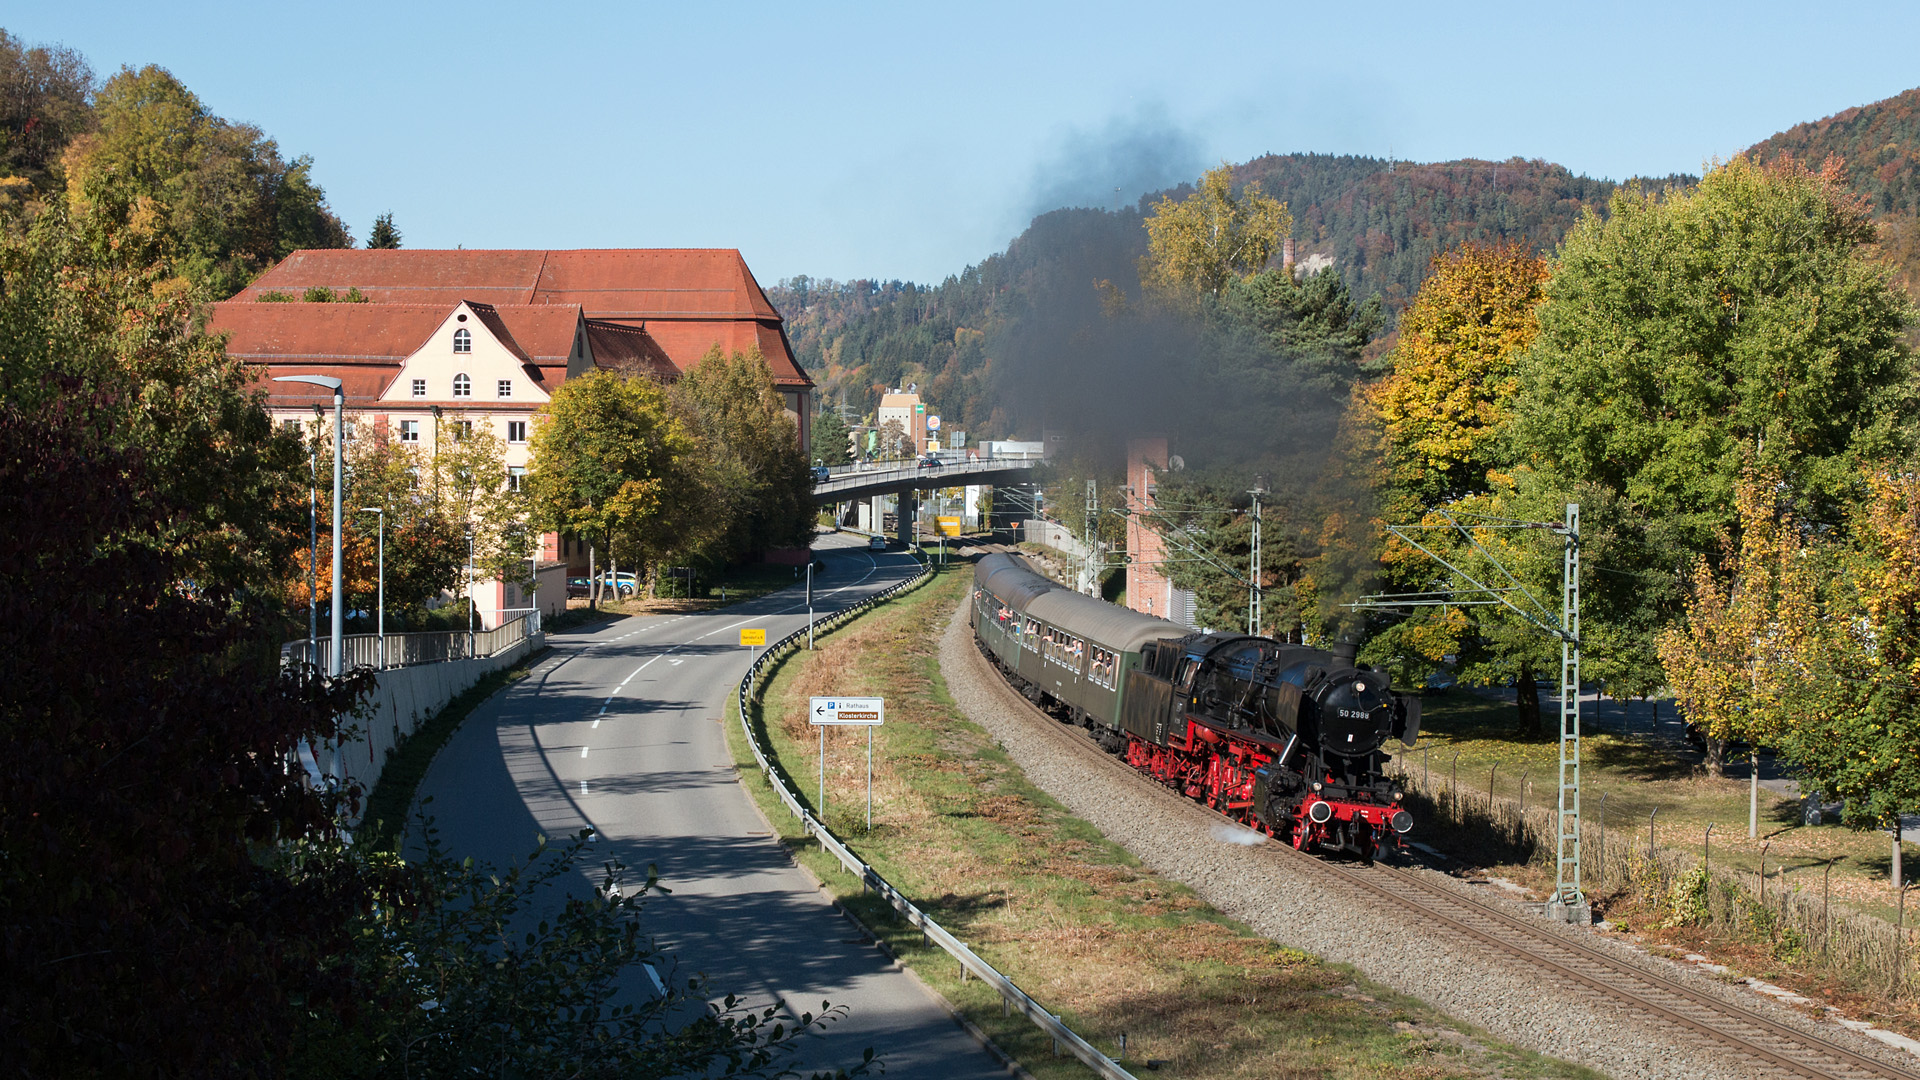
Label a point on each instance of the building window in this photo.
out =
(292, 427)
(504, 388)
(516, 475)
(462, 429)
(516, 431)
(409, 431)
(462, 386)
(462, 340)
(419, 388)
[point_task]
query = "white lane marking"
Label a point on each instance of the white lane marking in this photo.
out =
(655, 976)
(676, 663)
(583, 751)
(583, 787)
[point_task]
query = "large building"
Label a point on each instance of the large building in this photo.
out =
(448, 340)
(681, 302)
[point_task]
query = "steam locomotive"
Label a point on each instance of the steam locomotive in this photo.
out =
(1285, 739)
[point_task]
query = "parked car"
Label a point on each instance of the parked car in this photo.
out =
(623, 583)
(822, 474)
(878, 543)
(578, 587)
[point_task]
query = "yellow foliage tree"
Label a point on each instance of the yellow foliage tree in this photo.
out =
(1198, 245)
(1735, 659)
(1450, 392)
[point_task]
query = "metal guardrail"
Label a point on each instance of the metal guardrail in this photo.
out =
(970, 962)
(909, 470)
(405, 650)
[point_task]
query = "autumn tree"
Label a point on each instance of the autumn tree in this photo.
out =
(757, 490)
(613, 464)
(1734, 658)
(45, 101)
(1198, 245)
(1438, 415)
(165, 173)
(1853, 684)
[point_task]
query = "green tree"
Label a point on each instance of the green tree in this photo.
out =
(45, 100)
(471, 490)
(384, 235)
(1312, 322)
(165, 173)
(614, 465)
(1198, 245)
(1684, 337)
(757, 490)
(830, 438)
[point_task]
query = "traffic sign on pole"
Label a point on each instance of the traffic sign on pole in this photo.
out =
(757, 636)
(866, 712)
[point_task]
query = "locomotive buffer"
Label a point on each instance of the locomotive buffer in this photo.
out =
(1569, 903)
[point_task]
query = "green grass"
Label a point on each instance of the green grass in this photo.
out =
(1074, 919)
(388, 805)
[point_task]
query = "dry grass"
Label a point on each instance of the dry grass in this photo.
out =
(1073, 919)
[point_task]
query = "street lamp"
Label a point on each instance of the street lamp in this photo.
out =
(470, 604)
(339, 469)
(382, 609)
(313, 532)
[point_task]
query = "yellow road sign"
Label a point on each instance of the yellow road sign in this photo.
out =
(753, 637)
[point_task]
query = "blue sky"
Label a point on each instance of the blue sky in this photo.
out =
(908, 140)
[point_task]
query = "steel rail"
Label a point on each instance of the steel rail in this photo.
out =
(1848, 1064)
(1010, 994)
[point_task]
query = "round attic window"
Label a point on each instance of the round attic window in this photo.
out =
(460, 318)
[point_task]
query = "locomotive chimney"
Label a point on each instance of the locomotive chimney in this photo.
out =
(1347, 652)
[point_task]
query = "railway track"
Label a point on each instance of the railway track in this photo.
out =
(1761, 1045)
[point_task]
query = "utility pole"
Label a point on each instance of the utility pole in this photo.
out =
(1088, 583)
(1253, 574)
(1569, 903)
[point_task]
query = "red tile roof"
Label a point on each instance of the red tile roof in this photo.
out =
(616, 345)
(686, 298)
(363, 345)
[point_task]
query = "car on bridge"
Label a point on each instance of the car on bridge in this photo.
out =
(822, 474)
(930, 461)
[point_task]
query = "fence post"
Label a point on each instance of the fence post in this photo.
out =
(1826, 894)
(1601, 863)
(1763, 872)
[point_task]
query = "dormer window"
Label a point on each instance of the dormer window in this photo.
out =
(462, 386)
(463, 340)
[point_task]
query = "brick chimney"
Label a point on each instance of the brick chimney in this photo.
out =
(1286, 255)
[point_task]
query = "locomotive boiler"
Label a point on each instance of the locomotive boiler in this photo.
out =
(1287, 739)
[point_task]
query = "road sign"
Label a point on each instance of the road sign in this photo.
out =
(933, 423)
(859, 711)
(753, 637)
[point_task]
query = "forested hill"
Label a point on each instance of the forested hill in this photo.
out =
(1879, 143)
(1379, 223)
(1382, 222)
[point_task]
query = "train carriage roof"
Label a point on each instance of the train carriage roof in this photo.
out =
(1011, 581)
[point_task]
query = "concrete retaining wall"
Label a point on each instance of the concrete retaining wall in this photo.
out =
(408, 696)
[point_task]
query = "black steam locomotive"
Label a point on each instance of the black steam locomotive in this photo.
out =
(1283, 738)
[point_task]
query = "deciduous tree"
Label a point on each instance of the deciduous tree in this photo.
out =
(1196, 246)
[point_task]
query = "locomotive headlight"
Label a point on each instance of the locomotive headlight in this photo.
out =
(1359, 688)
(1398, 795)
(1321, 811)
(1316, 785)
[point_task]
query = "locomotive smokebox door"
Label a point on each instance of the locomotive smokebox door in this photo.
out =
(1356, 715)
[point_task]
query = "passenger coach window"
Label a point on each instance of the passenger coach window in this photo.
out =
(1030, 631)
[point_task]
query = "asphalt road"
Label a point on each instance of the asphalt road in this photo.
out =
(619, 730)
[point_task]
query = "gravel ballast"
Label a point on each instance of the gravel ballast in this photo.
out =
(1394, 947)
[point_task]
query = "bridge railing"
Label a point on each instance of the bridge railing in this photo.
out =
(881, 472)
(1010, 994)
(405, 650)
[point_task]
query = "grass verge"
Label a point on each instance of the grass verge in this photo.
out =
(392, 797)
(1072, 918)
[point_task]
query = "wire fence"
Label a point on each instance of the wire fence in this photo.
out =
(1788, 909)
(1011, 996)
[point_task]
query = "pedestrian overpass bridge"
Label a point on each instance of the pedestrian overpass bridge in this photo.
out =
(852, 483)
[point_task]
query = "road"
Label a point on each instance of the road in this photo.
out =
(619, 730)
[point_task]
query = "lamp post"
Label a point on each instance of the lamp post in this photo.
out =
(339, 470)
(382, 605)
(470, 596)
(313, 532)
